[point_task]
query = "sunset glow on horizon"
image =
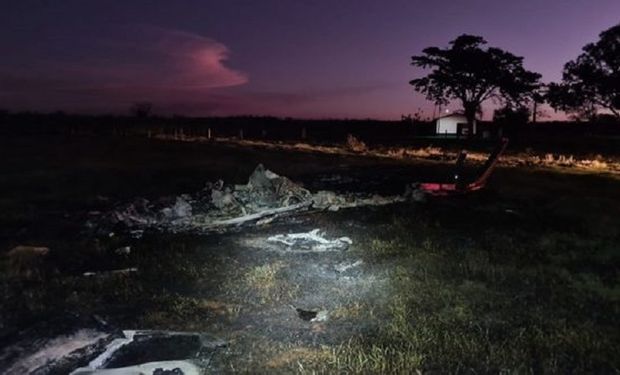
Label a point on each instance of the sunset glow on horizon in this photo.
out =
(297, 59)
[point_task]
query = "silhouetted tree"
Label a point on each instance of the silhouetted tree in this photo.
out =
(512, 120)
(141, 109)
(472, 74)
(418, 116)
(592, 81)
(512, 116)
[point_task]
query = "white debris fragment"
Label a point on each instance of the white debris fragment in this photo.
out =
(224, 199)
(181, 209)
(265, 221)
(321, 316)
(112, 347)
(324, 199)
(124, 251)
(259, 215)
(270, 175)
(112, 272)
(164, 367)
(313, 241)
(345, 266)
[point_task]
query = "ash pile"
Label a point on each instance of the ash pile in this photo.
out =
(217, 206)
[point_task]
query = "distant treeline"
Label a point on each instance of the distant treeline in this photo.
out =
(247, 127)
(281, 129)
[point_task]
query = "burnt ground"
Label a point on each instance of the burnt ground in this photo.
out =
(521, 277)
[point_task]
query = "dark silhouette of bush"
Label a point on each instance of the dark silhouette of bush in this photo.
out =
(592, 81)
(141, 109)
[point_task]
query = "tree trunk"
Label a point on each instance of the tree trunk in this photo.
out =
(470, 114)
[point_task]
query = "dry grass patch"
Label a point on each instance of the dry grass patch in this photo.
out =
(268, 283)
(300, 358)
(188, 313)
(355, 310)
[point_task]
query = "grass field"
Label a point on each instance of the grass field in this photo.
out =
(522, 277)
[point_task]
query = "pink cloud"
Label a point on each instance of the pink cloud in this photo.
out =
(154, 64)
(197, 61)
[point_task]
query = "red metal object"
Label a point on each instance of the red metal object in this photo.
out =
(444, 189)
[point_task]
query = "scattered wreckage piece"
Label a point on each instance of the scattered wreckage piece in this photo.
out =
(150, 368)
(53, 346)
(47, 356)
(458, 186)
(218, 205)
(313, 241)
(346, 266)
(77, 345)
(259, 215)
(149, 351)
(123, 251)
(123, 271)
(328, 200)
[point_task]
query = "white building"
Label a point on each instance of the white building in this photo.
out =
(453, 124)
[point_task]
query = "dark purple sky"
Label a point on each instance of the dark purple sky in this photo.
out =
(346, 58)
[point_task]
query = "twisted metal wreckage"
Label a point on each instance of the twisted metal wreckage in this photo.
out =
(268, 195)
(265, 197)
(87, 346)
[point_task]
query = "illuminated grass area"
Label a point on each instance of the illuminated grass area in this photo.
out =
(522, 277)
